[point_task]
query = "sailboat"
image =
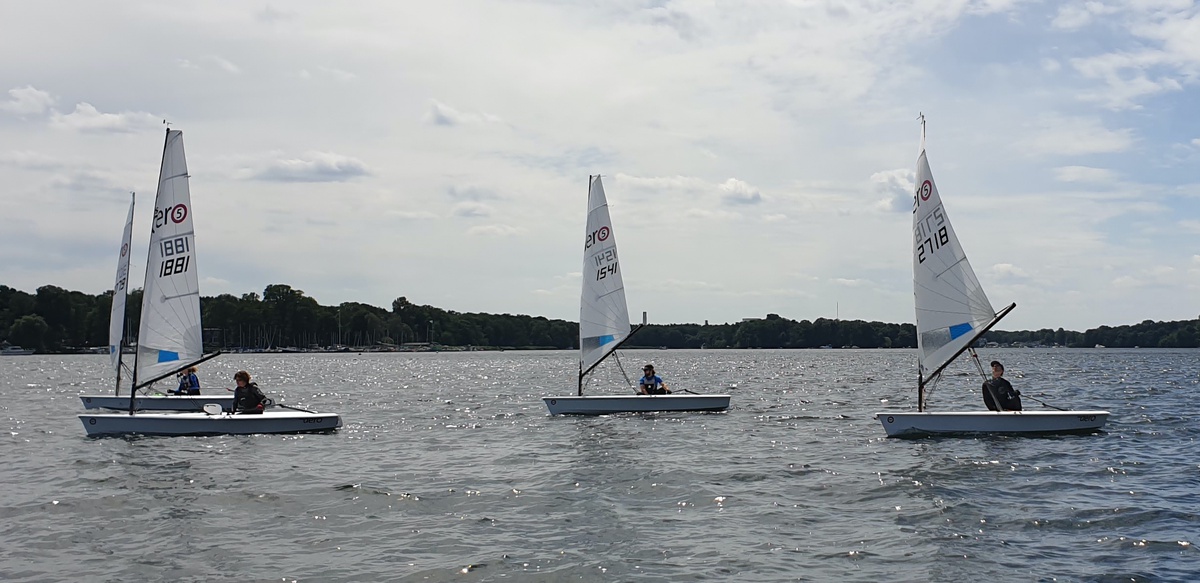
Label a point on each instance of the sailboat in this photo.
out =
(169, 338)
(952, 312)
(604, 326)
(178, 314)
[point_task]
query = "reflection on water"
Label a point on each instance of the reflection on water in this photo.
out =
(449, 469)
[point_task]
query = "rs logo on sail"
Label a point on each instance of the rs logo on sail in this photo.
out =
(177, 213)
(597, 236)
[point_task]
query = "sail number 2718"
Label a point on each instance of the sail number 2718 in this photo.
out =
(931, 233)
(177, 256)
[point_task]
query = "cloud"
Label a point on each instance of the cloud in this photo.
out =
(411, 215)
(1191, 226)
(660, 183)
(338, 74)
(495, 230)
(774, 218)
(271, 15)
(474, 193)
(1126, 77)
(1068, 136)
(845, 282)
(472, 210)
(898, 187)
(441, 114)
(738, 192)
(29, 160)
(1084, 174)
(210, 61)
(27, 101)
(1002, 271)
(86, 118)
(1076, 16)
(313, 167)
(698, 213)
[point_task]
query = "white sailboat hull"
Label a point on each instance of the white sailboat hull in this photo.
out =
(99, 424)
(609, 404)
(156, 403)
(909, 424)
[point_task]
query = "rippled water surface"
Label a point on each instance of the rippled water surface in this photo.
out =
(449, 469)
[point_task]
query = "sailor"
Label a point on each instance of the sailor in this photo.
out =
(650, 383)
(189, 383)
(998, 393)
(247, 397)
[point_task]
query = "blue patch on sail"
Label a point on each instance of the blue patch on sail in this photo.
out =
(958, 330)
(605, 339)
(112, 349)
(167, 356)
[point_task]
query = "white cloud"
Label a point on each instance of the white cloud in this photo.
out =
(1069, 136)
(1078, 15)
(29, 160)
(739, 192)
(444, 115)
(845, 282)
(473, 210)
(312, 167)
(86, 118)
(1084, 174)
(495, 230)
(699, 213)
(897, 186)
(1003, 271)
(27, 101)
(775, 218)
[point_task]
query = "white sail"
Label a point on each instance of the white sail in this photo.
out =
(170, 333)
(603, 314)
(951, 306)
(116, 319)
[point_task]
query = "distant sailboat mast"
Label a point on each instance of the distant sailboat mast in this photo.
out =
(120, 295)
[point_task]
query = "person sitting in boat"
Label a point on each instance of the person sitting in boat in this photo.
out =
(247, 397)
(189, 383)
(998, 393)
(650, 383)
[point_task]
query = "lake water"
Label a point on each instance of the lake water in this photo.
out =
(448, 468)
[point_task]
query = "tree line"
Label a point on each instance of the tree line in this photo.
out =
(58, 320)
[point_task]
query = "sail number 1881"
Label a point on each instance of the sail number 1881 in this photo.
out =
(176, 255)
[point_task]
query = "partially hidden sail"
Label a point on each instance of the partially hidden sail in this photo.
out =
(170, 332)
(952, 310)
(116, 319)
(603, 314)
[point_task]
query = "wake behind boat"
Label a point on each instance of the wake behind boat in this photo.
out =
(214, 422)
(604, 326)
(952, 312)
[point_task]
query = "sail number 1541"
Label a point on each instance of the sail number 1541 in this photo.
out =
(177, 256)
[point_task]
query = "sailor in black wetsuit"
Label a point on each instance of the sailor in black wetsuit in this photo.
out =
(998, 393)
(247, 397)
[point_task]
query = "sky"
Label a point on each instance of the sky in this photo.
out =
(758, 156)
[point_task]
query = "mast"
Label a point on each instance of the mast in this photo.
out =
(122, 286)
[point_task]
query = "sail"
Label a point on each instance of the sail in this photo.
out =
(603, 315)
(116, 319)
(951, 306)
(170, 334)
